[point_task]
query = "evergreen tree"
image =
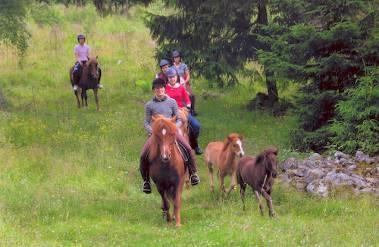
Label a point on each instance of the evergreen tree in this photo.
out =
(328, 47)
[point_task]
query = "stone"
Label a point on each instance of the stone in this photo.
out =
(341, 179)
(352, 167)
(314, 174)
(340, 155)
(315, 156)
(318, 187)
(364, 158)
(290, 163)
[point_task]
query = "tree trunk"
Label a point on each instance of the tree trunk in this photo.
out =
(272, 89)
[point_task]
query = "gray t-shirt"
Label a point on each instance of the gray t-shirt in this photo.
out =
(166, 107)
(181, 69)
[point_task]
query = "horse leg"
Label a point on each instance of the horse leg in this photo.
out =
(233, 183)
(77, 98)
(259, 201)
(222, 186)
(210, 174)
(269, 203)
(85, 98)
(242, 194)
(96, 99)
(177, 206)
(165, 206)
(82, 96)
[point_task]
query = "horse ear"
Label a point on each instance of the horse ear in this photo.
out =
(173, 119)
(240, 137)
(153, 118)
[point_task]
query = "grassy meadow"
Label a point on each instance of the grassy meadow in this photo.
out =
(70, 177)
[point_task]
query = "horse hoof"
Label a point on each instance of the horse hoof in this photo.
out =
(178, 225)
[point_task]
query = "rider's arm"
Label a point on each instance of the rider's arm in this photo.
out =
(187, 76)
(186, 97)
(179, 121)
(89, 52)
(147, 122)
(76, 55)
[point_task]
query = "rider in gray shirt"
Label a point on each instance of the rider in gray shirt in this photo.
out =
(164, 105)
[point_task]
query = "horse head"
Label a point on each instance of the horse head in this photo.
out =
(164, 131)
(269, 158)
(234, 142)
(93, 70)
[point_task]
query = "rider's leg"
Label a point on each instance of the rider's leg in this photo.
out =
(99, 85)
(76, 75)
(193, 101)
(194, 127)
(191, 164)
(144, 167)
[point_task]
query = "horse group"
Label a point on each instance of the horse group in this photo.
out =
(168, 171)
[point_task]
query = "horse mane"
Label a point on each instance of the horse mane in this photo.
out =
(229, 139)
(158, 123)
(264, 156)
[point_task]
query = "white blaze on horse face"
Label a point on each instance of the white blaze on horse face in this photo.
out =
(164, 131)
(241, 152)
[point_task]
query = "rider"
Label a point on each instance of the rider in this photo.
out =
(164, 64)
(176, 91)
(183, 72)
(164, 105)
(82, 54)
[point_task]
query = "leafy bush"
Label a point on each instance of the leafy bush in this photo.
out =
(357, 123)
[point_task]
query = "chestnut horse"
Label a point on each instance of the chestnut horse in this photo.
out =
(89, 79)
(258, 172)
(167, 165)
(223, 156)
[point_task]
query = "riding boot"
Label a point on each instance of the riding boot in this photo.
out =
(195, 144)
(193, 101)
(190, 162)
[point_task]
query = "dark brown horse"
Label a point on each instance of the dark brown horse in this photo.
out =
(89, 79)
(258, 172)
(166, 165)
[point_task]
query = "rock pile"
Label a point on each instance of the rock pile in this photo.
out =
(320, 175)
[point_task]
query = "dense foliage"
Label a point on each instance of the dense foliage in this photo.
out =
(12, 25)
(332, 48)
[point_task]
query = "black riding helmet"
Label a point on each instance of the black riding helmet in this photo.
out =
(158, 83)
(80, 36)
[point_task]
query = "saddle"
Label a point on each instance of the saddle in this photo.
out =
(183, 152)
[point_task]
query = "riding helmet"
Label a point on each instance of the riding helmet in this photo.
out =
(163, 63)
(176, 53)
(171, 72)
(158, 83)
(81, 36)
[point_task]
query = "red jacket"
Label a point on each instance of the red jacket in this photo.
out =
(179, 94)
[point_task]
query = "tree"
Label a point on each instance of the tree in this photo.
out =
(217, 37)
(12, 25)
(328, 47)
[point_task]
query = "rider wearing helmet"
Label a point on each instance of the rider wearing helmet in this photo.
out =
(164, 65)
(177, 92)
(82, 54)
(163, 105)
(184, 75)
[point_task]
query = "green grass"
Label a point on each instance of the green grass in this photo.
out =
(70, 177)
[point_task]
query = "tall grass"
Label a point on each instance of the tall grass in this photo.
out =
(70, 177)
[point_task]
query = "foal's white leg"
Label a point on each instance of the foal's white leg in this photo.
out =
(259, 201)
